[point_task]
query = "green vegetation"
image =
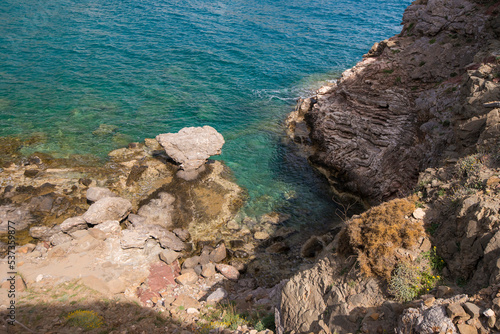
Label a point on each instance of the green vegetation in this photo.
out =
(389, 71)
(432, 41)
(461, 282)
(411, 279)
(432, 228)
(404, 282)
(450, 90)
(410, 27)
(436, 262)
(84, 319)
(422, 63)
(469, 166)
(226, 316)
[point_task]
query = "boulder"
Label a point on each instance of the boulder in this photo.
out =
(73, 224)
(59, 238)
(274, 218)
(168, 256)
(216, 296)
(218, 254)
(228, 271)
(136, 220)
(472, 310)
(40, 232)
(455, 310)
(183, 234)
(191, 262)
(107, 208)
(191, 147)
(19, 217)
(110, 226)
(419, 213)
(166, 238)
(133, 239)
(188, 278)
(171, 241)
(233, 225)
(261, 235)
(186, 301)
(466, 329)
(208, 270)
(430, 320)
(96, 193)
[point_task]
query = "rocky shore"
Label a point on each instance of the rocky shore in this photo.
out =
(151, 241)
(154, 225)
(156, 229)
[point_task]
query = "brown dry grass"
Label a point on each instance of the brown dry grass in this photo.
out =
(379, 232)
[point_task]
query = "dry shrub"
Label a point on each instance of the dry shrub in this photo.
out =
(379, 232)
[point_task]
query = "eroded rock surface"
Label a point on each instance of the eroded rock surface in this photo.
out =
(396, 112)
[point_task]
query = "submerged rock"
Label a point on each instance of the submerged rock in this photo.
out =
(96, 193)
(18, 217)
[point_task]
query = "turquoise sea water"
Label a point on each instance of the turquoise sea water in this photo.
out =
(145, 67)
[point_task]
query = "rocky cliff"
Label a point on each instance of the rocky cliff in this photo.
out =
(414, 100)
(416, 118)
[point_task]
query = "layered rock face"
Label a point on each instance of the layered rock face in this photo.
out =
(420, 108)
(399, 110)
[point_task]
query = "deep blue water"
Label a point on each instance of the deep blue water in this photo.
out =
(151, 66)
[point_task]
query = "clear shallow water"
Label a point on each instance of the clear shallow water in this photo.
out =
(146, 67)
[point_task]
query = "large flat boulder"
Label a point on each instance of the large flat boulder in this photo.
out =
(191, 147)
(107, 208)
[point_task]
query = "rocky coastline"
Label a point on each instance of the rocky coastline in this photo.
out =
(152, 239)
(415, 100)
(157, 225)
(412, 131)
